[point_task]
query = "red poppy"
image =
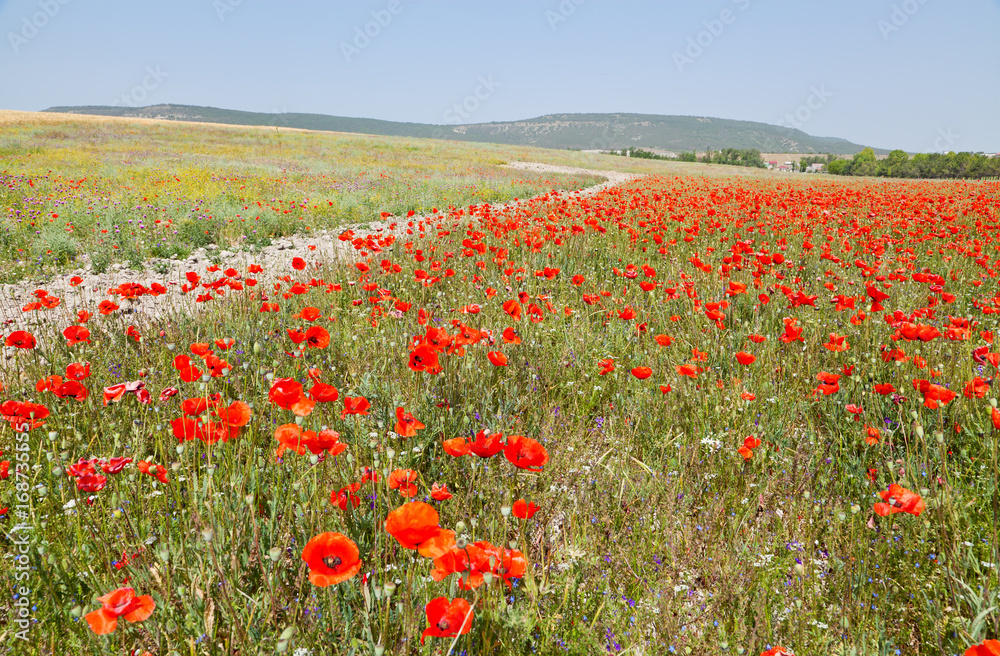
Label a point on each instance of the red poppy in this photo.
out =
(447, 619)
(984, 648)
(76, 334)
(287, 393)
(119, 603)
(778, 651)
(107, 307)
(402, 480)
(21, 339)
(745, 358)
(607, 366)
(837, 343)
(511, 336)
(415, 526)
(406, 424)
(291, 436)
(78, 370)
(497, 358)
(642, 373)
(355, 406)
(513, 308)
(872, 435)
(898, 499)
(524, 510)
(298, 263)
(159, 472)
(345, 495)
(664, 340)
(317, 337)
(332, 558)
(486, 444)
(440, 492)
(457, 447)
(526, 453)
(425, 358)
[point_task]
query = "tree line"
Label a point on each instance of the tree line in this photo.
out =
(730, 156)
(922, 165)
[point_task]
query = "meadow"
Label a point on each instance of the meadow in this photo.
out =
(692, 414)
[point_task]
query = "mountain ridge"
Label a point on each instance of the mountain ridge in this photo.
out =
(576, 131)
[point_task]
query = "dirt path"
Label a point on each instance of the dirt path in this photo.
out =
(170, 273)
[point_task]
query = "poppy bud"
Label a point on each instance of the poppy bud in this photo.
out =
(505, 511)
(274, 553)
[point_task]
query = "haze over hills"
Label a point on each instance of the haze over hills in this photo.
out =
(561, 131)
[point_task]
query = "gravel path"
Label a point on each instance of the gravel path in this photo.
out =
(94, 286)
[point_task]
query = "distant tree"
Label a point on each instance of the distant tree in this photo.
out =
(893, 164)
(865, 163)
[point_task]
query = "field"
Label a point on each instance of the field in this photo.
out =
(695, 414)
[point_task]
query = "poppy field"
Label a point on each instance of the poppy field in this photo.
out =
(692, 415)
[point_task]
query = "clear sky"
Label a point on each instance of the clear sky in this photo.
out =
(922, 75)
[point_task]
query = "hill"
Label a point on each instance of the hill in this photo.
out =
(563, 131)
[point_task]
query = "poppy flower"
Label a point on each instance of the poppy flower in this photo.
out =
(406, 424)
(486, 444)
(511, 336)
(159, 472)
(524, 510)
(440, 492)
(425, 358)
(457, 447)
(497, 358)
(317, 337)
(78, 370)
(745, 358)
(778, 651)
(689, 370)
(402, 480)
(76, 334)
(447, 619)
(985, 648)
(291, 436)
(308, 314)
(21, 339)
(415, 526)
(872, 435)
(345, 495)
(119, 603)
(287, 393)
(884, 389)
(512, 308)
(898, 499)
(355, 406)
(332, 558)
(298, 263)
(323, 393)
(607, 366)
(526, 453)
(642, 373)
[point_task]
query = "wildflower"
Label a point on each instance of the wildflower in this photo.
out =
(332, 558)
(119, 603)
(447, 619)
(524, 510)
(898, 499)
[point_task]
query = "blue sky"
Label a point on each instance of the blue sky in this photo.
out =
(922, 75)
